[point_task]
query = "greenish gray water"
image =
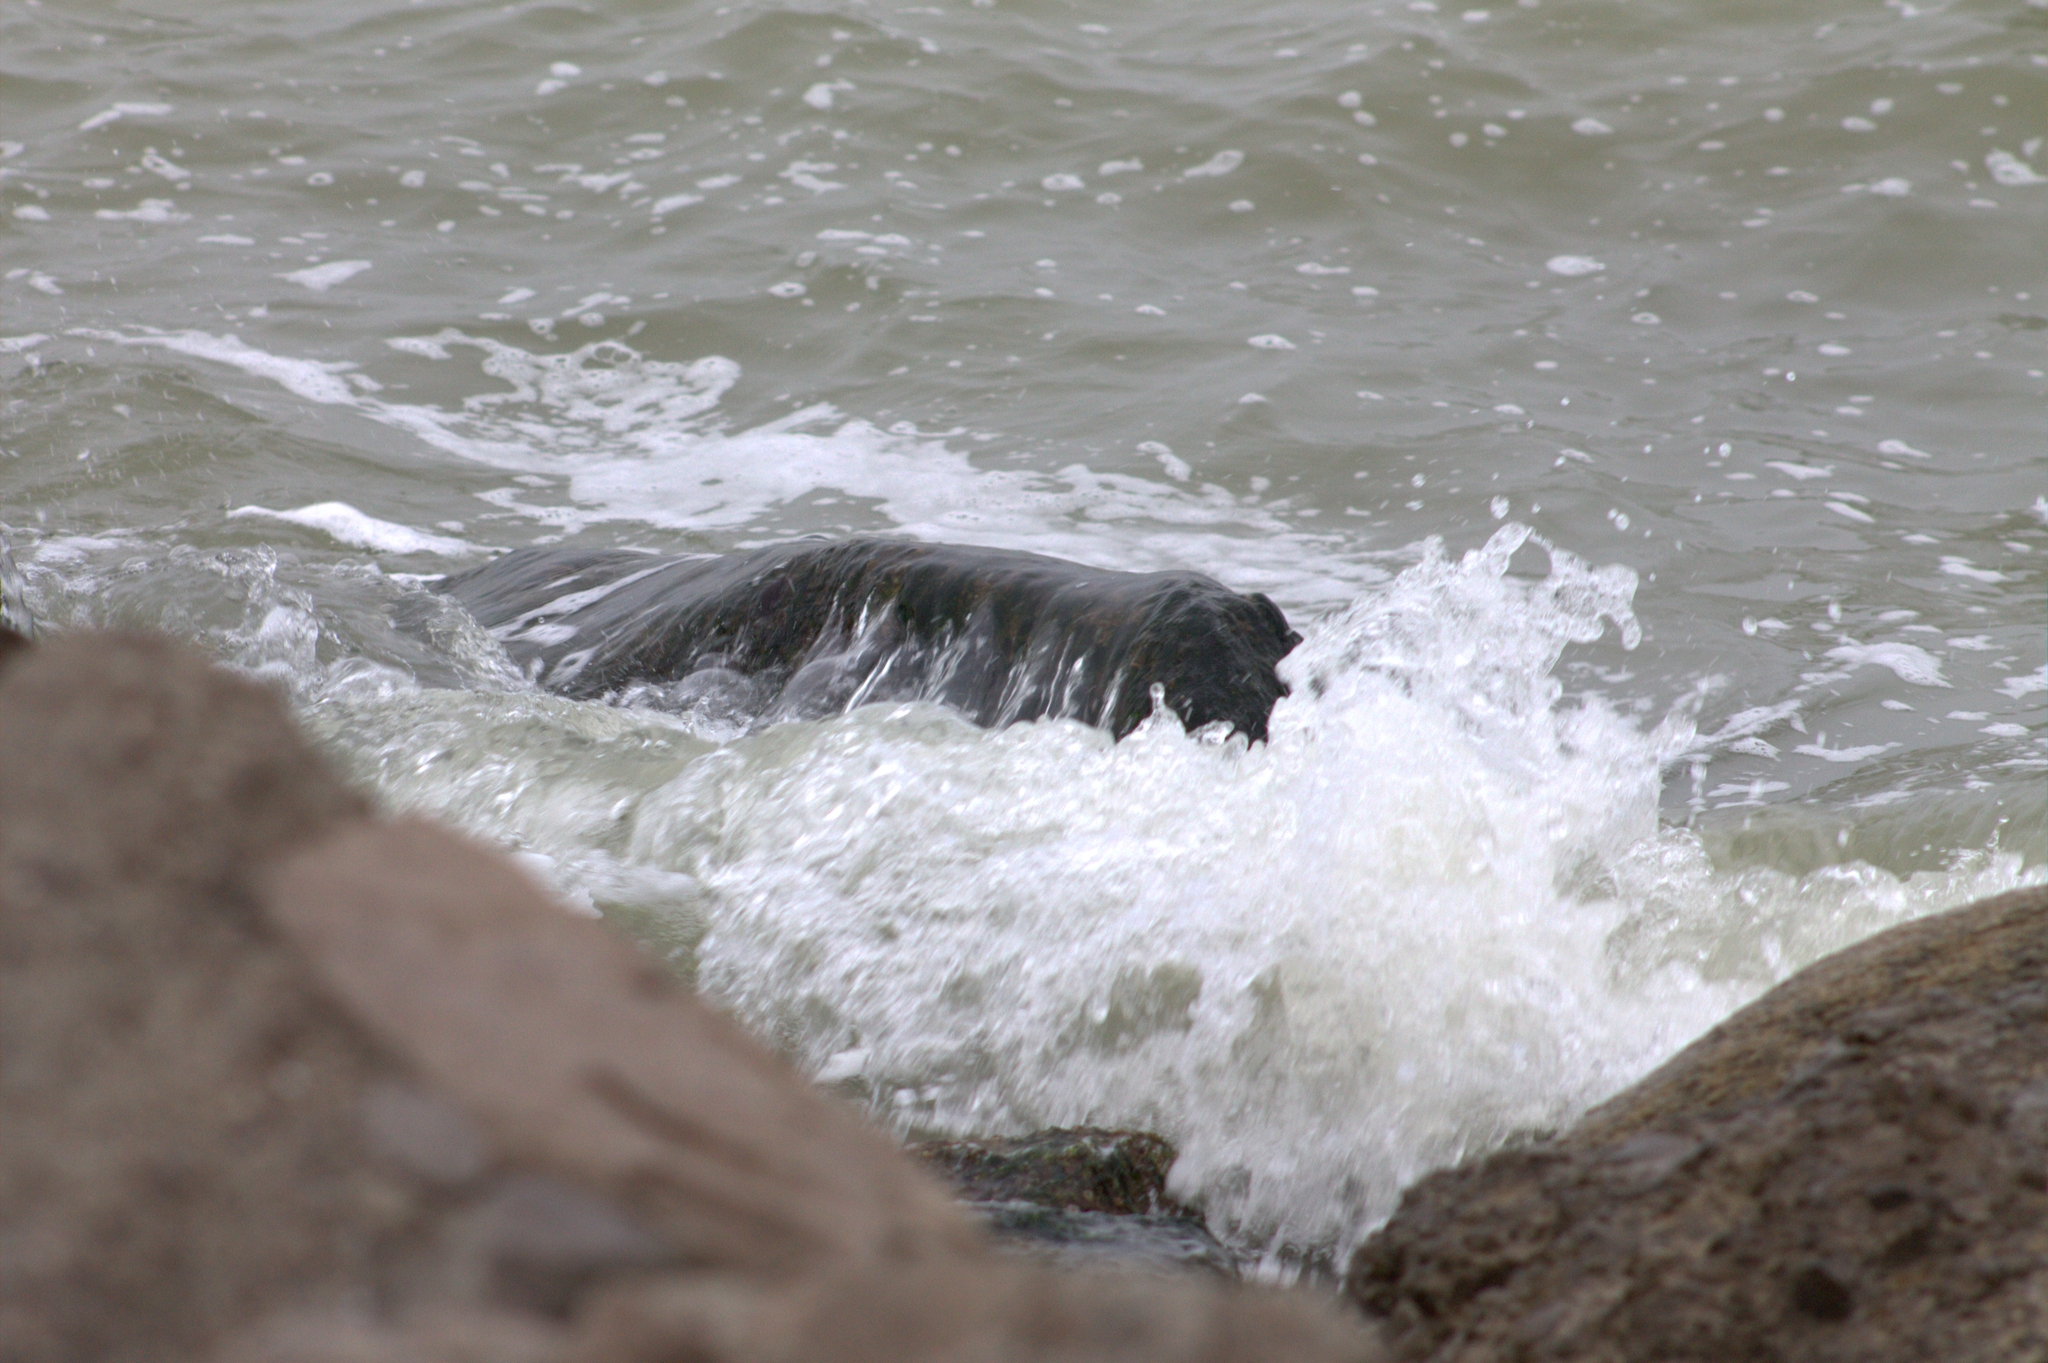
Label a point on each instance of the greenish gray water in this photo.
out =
(1741, 310)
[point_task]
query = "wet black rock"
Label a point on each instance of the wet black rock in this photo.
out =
(815, 627)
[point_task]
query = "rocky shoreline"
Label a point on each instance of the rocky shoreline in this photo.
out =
(282, 1082)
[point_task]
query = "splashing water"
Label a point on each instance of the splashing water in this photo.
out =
(1436, 910)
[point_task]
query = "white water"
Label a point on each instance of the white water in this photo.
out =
(1436, 910)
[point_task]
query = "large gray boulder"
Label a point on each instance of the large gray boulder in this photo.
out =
(283, 1083)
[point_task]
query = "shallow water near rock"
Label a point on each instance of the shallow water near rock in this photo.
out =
(1637, 408)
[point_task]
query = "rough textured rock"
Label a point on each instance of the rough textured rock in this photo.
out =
(176, 1102)
(628, 1088)
(812, 627)
(1975, 952)
(1080, 1195)
(1083, 1168)
(1852, 1168)
(281, 1084)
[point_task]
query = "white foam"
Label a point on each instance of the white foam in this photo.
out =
(1957, 566)
(1857, 754)
(806, 175)
(149, 210)
(350, 526)
(1174, 466)
(321, 278)
(2012, 172)
(627, 438)
(1801, 472)
(1222, 163)
(1590, 127)
(1271, 341)
(1909, 662)
(157, 164)
(1571, 266)
(123, 110)
(2026, 684)
(821, 96)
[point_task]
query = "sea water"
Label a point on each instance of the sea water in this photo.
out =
(1639, 407)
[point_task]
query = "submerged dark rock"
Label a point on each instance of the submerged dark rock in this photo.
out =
(1084, 1168)
(816, 627)
(1075, 1195)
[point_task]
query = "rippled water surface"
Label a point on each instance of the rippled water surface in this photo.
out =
(1638, 406)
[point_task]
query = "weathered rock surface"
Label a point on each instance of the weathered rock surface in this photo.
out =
(812, 627)
(1083, 1168)
(1080, 1195)
(1854, 1167)
(283, 1084)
